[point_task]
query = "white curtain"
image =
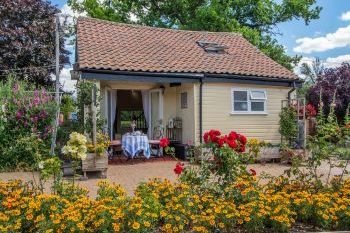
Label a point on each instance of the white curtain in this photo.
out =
(113, 111)
(146, 105)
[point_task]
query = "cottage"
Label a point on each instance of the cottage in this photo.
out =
(186, 82)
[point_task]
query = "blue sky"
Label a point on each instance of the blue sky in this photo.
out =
(327, 38)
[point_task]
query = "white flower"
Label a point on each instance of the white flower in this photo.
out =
(76, 146)
(41, 165)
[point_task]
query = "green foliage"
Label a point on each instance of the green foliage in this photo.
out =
(67, 106)
(27, 115)
(27, 42)
(255, 20)
(84, 98)
(50, 167)
(288, 127)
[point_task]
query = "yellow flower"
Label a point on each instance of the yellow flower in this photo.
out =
(135, 225)
(221, 225)
(167, 226)
(212, 222)
(147, 223)
(116, 227)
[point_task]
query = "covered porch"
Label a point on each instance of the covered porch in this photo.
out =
(160, 108)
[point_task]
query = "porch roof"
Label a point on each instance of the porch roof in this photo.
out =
(109, 46)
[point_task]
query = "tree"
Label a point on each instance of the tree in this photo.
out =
(27, 41)
(257, 20)
(335, 81)
(313, 71)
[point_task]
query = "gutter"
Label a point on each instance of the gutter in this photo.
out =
(201, 110)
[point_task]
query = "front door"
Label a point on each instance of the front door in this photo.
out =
(156, 111)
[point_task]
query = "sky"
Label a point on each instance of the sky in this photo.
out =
(327, 38)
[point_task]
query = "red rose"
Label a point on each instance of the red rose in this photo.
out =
(253, 172)
(214, 135)
(232, 144)
(164, 142)
(206, 137)
(242, 139)
(179, 168)
(242, 148)
(221, 141)
(233, 135)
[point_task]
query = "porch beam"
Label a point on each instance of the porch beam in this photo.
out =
(185, 78)
(137, 78)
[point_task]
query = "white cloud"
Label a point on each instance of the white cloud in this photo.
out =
(69, 14)
(345, 16)
(330, 62)
(65, 80)
(339, 38)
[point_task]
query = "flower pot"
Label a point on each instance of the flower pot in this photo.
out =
(94, 162)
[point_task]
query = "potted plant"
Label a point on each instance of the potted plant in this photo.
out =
(75, 150)
(97, 158)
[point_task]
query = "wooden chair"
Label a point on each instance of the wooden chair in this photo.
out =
(116, 145)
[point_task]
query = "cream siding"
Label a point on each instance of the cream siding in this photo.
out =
(187, 114)
(217, 108)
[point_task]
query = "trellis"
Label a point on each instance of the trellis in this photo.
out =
(300, 105)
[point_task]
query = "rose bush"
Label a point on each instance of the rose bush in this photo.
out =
(222, 161)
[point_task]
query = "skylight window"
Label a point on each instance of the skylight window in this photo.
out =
(212, 47)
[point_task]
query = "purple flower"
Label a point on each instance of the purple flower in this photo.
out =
(25, 123)
(48, 129)
(43, 95)
(34, 119)
(15, 88)
(19, 114)
(36, 98)
(42, 114)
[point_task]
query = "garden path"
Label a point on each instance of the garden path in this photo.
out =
(129, 175)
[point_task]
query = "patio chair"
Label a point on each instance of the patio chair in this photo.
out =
(116, 146)
(158, 133)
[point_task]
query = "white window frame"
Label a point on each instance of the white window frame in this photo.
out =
(249, 100)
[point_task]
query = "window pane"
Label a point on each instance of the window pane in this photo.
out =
(240, 95)
(257, 106)
(240, 106)
(257, 95)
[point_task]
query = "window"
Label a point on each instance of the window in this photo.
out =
(248, 101)
(184, 100)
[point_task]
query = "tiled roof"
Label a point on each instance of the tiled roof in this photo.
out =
(105, 45)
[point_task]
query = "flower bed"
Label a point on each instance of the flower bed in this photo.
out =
(162, 206)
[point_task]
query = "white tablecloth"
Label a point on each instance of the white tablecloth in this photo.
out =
(133, 144)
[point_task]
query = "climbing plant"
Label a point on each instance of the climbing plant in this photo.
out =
(288, 123)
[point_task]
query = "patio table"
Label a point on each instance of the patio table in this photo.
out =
(132, 144)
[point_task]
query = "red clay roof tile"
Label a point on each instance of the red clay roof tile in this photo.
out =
(107, 45)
